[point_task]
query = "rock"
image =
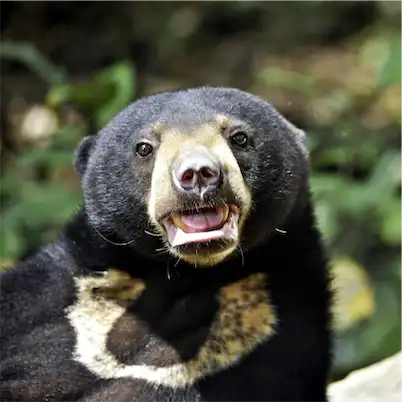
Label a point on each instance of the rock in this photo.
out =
(378, 382)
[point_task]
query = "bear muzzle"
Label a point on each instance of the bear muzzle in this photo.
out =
(198, 199)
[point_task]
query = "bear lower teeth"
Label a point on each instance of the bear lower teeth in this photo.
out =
(228, 231)
(227, 228)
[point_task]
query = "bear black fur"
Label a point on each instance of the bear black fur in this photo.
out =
(173, 315)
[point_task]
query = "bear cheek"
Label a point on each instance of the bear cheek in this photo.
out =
(159, 194)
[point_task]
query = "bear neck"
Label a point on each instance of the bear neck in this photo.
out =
(300, 245)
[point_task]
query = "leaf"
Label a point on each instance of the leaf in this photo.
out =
(10, 185)
(49, 157)
(391, 71)
(88, 94)
(355, 201)
(333, 155)
(122, 78)
(396, 268)
(27, 54)
(43, 205)
(386, 176)
(326, 184)
(103, 96)
(10, 243)
(391, 224)
(326, 220)
(354, 299)
(56, 205)
(67, 137)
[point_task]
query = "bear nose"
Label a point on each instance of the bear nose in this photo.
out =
(197, 172)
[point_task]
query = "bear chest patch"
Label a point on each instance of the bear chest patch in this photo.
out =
(103, 325)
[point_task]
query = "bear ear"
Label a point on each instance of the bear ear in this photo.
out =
(82, 153)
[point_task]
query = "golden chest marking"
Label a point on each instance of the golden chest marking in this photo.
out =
(245, 319)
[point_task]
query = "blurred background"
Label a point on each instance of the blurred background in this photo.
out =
(332, 68)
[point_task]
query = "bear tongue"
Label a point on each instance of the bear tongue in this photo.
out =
(202, 221)
(200, 227)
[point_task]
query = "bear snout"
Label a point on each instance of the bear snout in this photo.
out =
(197, 173)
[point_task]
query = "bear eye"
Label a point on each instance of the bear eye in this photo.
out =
(239, 138)
(143, 149)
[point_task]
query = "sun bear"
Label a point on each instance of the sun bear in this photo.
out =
(194, 270)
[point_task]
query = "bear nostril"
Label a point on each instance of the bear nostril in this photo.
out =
(209, 175)
(188, 179)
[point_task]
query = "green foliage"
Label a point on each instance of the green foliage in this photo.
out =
(28, 55)
(33, 210)
(358, 214)
(391, 72)
(40, 205)
(102, 96)
(377, 197)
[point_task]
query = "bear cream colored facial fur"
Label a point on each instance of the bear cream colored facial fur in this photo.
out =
(164, 200)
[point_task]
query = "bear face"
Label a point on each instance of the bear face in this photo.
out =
(198, 174)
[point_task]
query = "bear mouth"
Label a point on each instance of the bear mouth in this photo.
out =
(202, 225)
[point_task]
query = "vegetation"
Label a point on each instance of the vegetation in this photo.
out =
(333, 68)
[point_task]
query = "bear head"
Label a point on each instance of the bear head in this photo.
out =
(199, 174)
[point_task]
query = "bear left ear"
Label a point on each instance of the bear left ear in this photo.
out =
(82, 153)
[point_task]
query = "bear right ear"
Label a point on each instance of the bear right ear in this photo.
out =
(82, 153)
